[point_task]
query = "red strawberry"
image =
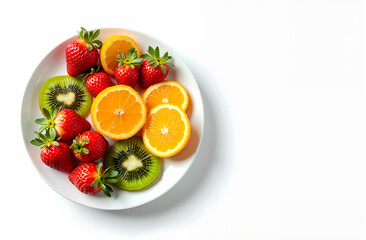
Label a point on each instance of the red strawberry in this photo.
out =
(82, 54)
(154, 69)
(89, 146)
(66, 123)
(90, 178)
(97, 82)
(127, 72)
(54, 154)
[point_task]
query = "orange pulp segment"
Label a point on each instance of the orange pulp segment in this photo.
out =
(118, 112)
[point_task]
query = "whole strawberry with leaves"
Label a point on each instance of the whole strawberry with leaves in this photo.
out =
(90, 178)
(89, 146)
(96, 81)
(127, 72)
(54, 153)
(82, 54)
(66, 124)
(155, 68)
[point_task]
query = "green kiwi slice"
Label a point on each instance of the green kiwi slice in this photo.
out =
(65, 92)
(136, 166)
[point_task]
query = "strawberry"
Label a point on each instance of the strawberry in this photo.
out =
(154, 69)
(66, 124)
(127, 72)
(54, 153)
(97, 82)
(82, 54)
(89, 146)
(90, 178)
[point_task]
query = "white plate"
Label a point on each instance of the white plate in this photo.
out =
(173, 168)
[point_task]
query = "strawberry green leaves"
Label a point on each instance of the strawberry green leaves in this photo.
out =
(130, 59)
(48, 122)
(45, 140)
(78, 147)
(90, 38)
(103, 179)
(156, 60)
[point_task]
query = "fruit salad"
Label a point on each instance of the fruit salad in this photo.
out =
(101, 81)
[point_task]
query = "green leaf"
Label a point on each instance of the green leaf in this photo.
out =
(157, 52)
(163, 68)
(85, 151)
(105, 191)
(137, 60)
(42, 137)
(36, 142)
(42, 128)
(48, 133)
(99, 168)
(165, 57)
(151, 51)
(53, 112)
(155, 65)
(110, 174)
(97, 43)
(96, 34)
(108, 187)
(41, 121)
(46, 113)
(112, 180)
(151, 62)
(55, 143)
(95, 183)
(52, 133)
(145, 56)
(89, 46)
(75, 141)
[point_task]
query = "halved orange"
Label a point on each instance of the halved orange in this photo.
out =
(166, 131)
(166, 92)
(110, 48)
(118, 112)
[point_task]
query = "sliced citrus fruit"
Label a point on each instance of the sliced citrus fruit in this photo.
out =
(166, 131)
(166, 92)
(118, 112)
(110, 48)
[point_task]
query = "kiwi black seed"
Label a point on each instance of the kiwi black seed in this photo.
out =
(65, 92)
(136, 166)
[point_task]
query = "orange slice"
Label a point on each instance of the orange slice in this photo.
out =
(110, 48)
(166, 92)
(118, 112)
(166, 131)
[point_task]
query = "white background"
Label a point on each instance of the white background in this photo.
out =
(283, 155)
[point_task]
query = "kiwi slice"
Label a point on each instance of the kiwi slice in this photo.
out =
(62, 92)
(136, 166)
